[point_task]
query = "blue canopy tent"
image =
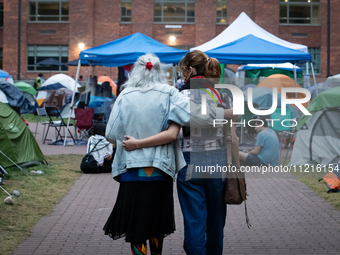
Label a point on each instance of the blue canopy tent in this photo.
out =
(251, 49)
(125, 51)
(254, 50)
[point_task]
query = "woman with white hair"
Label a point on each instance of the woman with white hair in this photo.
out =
(144, 209)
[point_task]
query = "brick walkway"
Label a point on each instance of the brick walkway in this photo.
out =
(287, 218)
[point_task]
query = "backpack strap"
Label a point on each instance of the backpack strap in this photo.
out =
(95, 146)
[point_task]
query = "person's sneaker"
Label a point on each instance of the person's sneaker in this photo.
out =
(1, 182)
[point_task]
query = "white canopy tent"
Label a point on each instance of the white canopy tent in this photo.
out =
(244, 26)
(286, 66)
(241, 27)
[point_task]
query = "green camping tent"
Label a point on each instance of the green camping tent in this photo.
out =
(25, 87)
(16, 140)
(326, 99)
(318, 138)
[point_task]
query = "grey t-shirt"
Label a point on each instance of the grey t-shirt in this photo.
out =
(270, 147)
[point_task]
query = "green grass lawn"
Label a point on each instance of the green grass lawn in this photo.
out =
(319, 187)
(310, 176)
(33, 118)
(39, 194)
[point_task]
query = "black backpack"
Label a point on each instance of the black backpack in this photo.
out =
(89, 165)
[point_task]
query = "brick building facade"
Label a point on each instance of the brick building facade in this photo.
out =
(60, 25)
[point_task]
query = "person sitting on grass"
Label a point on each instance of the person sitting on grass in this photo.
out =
(267, 147)
(104, 151)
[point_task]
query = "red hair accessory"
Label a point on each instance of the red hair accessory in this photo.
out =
(149, 65)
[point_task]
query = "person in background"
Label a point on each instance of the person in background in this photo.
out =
(104, 151)
(39, 81)
(267, 147)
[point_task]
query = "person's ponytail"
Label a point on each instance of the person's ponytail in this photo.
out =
(213, 68)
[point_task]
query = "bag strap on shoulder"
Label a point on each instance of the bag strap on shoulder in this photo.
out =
(95, 146)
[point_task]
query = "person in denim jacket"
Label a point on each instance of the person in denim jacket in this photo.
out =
(200, 195)
(144, 207)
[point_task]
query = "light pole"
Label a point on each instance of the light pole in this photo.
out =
(19, 38)
(328, 36)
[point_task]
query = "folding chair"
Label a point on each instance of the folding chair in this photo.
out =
(84, 122)
(41, 112)
(54, 112)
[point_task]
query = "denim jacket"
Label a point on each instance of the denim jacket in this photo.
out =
(141, 113)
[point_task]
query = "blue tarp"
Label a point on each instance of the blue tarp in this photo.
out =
(16, 97)
(98, 101)
(126, 51)
(251, 50)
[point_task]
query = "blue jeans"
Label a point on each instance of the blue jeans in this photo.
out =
(203, 207)
(253, 160)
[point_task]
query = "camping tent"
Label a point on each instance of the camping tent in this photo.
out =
(127, 50)
(5, 77)
(25, 87)
(113, 85)
(263, 97)
(318, 138)
(3, 98)
(332, 82)
(58, 98)
(254, 72)
(280, 81)
(15, 97)
(17, 141)
(252, 49)
(242, 27)
(53, 83)
(28, 91)
(59, 81)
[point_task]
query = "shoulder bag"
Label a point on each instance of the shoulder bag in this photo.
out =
(88, 164)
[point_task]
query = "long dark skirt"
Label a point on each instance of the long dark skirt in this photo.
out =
(143, 210)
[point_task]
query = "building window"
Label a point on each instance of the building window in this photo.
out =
(174, 11)
(48, 11)
(125, 11)
(315, 54)
(221, 12)
(300, 12)
(1, 15)
(37, 53)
